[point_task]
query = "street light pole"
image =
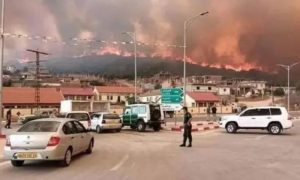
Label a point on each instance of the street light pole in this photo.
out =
(288, 68)
(185, 28)
(1, 64)
(132, 35)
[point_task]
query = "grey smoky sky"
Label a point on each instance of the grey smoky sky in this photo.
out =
(237, 33)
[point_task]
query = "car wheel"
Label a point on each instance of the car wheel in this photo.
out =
(231, 127)
(17, 163)
(67, 159)
(275, 128)
(98, 130)
(90, 148)
(156, 128)
(141, 126)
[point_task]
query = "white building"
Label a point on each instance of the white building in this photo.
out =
(201, 99)
(202, 88)
(151, 97)
(223, 91)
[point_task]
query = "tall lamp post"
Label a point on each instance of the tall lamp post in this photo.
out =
(288, 68)
(186, 25)
(132, 35)
(1, 64)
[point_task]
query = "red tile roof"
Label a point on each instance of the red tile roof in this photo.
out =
(203, 96)
(116, 89)
(26, 95)
(76, 91)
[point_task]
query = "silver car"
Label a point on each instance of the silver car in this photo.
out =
(48, 139)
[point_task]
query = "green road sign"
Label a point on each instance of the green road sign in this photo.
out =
(171, 92)
(171, 95)
(172, 99)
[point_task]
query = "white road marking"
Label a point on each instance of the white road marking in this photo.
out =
(120, 164)
(4, 163)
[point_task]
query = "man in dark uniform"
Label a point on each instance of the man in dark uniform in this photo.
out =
(187, 134)
(8, 119)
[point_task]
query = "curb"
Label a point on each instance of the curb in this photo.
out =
(201, 128)
(179, 129)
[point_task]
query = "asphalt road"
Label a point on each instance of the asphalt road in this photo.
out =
(215, 155)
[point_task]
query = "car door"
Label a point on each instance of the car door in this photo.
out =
(83, 140)
(247, 118)
(127, 116)
(95, 121)
(71, 137)
(263, 118)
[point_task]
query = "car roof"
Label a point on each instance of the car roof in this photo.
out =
(261, 107)
(74, 112)
(103, 113)
(62, 120)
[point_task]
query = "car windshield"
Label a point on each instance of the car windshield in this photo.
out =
(111, 116)
(40, 126)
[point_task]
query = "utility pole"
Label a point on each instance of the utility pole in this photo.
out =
(37, 76)
(186, 24)
(288, 68)
(1, 65)
(132, 35)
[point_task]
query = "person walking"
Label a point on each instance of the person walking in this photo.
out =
(187, 134)
(214, 112)
(8, 119)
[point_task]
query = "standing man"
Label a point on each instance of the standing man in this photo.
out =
(8, 119)
(187, 134)
(214, 112)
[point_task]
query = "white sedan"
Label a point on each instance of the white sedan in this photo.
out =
(106, 121)
(48, 139)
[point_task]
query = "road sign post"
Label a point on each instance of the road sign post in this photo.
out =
(171, 99)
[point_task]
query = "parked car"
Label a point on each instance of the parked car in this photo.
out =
(106, 121)
(82, 116)
(48, 139)
(139, 116)
(273, 119)
(37, 115)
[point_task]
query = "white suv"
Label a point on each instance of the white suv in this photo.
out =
(273, 119)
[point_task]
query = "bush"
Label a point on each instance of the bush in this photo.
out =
(279, 92)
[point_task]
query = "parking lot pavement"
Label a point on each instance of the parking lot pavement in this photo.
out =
(247, 155)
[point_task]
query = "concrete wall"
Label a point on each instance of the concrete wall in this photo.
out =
(116, 110)
(113, 97)
(202, 110)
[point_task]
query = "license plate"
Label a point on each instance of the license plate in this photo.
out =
(27, 155)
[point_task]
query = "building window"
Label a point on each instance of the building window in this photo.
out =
(198, 88)
(111, 98)
(107, 97)
(224, 90)
(119, 99)
(209, 88)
